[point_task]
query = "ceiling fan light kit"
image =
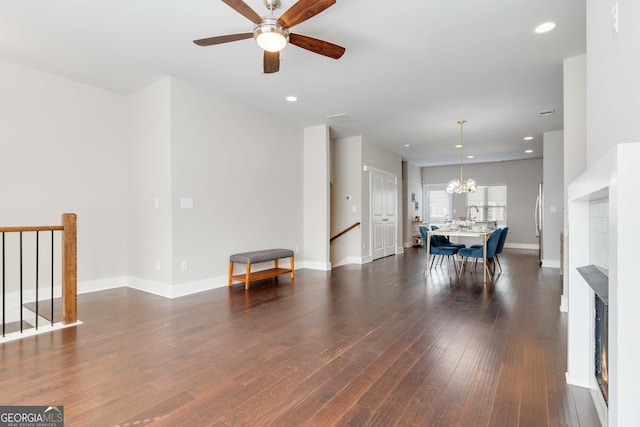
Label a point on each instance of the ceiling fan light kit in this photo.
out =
(272, 34)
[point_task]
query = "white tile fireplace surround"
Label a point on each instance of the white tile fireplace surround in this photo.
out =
(613, 178)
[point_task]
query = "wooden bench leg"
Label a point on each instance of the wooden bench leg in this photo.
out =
(260, 275)
(246, 279)
(292, 269)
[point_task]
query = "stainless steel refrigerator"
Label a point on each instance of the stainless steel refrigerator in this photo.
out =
(539, 220)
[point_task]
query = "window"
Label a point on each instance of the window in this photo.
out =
(437, 204)
(488, 203)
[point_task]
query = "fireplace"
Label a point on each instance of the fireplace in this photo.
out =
(598, 281)
(612, 376)
(601, 340)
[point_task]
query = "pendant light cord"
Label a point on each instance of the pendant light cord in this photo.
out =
(461, 123)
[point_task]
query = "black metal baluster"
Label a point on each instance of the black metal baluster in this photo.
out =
(4, 296)
(37, 275)
(52, 277)
(21, 282)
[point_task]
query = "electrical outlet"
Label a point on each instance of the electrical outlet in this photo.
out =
(184, 266)
(157, 265)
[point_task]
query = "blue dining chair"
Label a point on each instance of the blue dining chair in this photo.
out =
(436, 248)
(444, 240)
(500, 247)
(478, 252)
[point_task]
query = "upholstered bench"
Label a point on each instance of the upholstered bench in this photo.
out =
(255, 257)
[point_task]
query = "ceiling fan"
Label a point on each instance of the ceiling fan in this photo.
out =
(272, 34)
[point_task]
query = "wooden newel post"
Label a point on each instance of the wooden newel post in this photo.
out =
(69, 269)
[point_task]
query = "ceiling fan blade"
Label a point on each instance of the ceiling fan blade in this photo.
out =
(317, 46)
(223, 39)
(243, 9)
(303, 10)
(271, 62)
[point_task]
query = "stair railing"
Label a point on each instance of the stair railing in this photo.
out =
(346, 230)
(68, 261)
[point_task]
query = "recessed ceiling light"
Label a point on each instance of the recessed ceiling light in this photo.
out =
(528, 151)
(458, 146)
(528, 138)
(545, 27)
(291, 98)
(407, 145)
(470, 157)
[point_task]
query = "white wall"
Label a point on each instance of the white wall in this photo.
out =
(190, 143)
(612, 177)
(112, 159)
(244, 181)
(575, 117)
(64, 149)
(346, 168)
(553, 203)
(412, 185)
(575, 142)
(613, 67)
(150, 232)
(315, 195)
(377, 157)
(613, 108)
(522, 178)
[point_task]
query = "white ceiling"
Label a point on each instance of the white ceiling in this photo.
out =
(411, 69)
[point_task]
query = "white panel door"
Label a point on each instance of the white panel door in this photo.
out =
(378, 216)
(383, 214)
(390, 241)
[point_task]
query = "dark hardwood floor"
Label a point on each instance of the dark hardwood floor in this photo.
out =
(370, 345)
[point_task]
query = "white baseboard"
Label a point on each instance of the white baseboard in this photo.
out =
(522, 245)
(317, 265)
(564, 304)
(551, 263)
(168, 290)
(347, 261)
(176, 290)
(41, 330)
(101, 284)
(183, 289)
(573, 381)
(602, 408)
(149, 286)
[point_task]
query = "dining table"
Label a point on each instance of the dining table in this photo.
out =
(482, 233)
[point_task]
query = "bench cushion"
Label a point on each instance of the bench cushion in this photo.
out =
(261, 256)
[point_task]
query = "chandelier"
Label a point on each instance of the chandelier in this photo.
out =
(460, 186)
